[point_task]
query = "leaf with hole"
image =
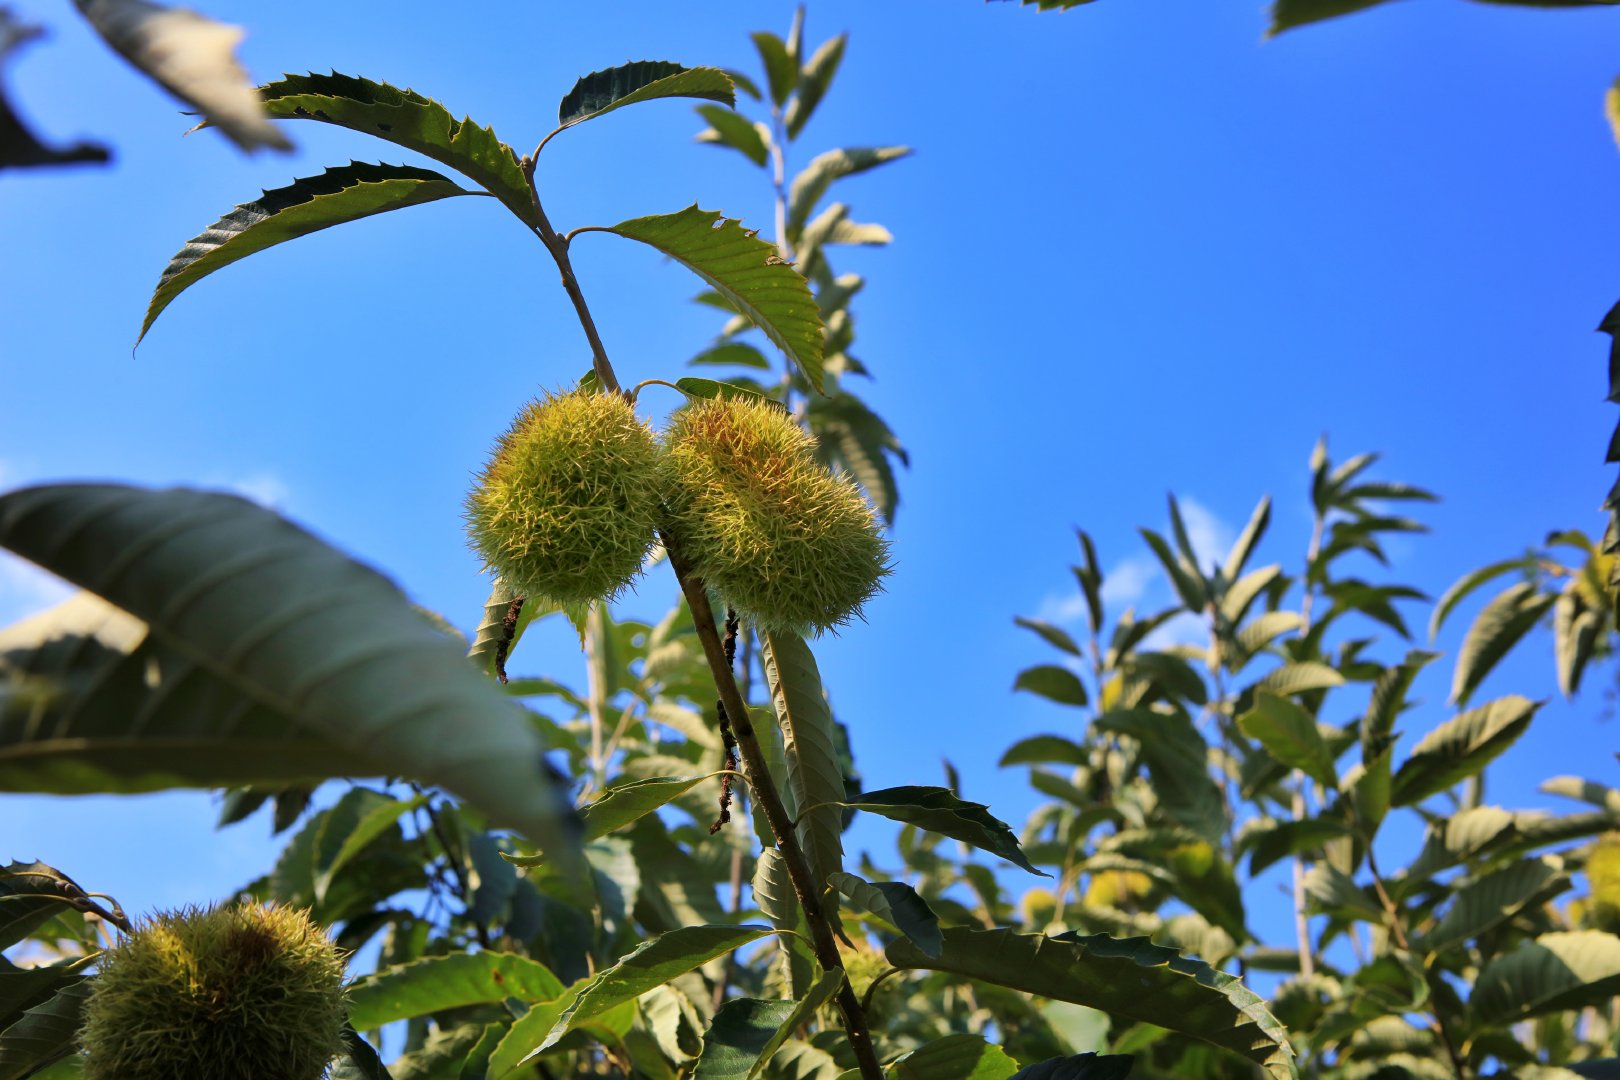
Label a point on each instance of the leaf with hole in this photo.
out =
(308, 205)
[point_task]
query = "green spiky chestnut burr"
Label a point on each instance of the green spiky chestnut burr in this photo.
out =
(566, 507)
(212, 993)
(782, 540)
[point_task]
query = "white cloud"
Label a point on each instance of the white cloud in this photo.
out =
(265, 488)
(1128, 581)
(1184, 629)
(1061, 609)
(1211, 538)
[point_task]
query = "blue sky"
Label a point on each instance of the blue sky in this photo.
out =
(1139, 249)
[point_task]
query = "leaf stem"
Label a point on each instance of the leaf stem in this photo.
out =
(558, 246)
(770, 801)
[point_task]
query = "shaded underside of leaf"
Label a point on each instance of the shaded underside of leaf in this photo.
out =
(1557, 971)
(1130, 977)
(439, 983)
(298, 631)
(335, 197)
(746, 271)
(641, 80)
(938, 810)
(407, 119)
(810, 745)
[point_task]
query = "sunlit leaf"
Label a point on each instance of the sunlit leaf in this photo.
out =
(1554, 972)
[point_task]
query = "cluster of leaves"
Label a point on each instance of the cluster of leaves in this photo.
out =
(217, 644)
(850, 436)
(1200, 766)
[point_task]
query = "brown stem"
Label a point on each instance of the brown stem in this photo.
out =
(558, 247)
(1397, 927)
(770, 801)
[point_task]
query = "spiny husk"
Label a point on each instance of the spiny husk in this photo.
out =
(566, 507)
(212, 993)
(783, 541)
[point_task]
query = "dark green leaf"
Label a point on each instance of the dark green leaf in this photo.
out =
(746, 1032)
(954, 1057)
(1267, 846)
(265, 655)
(437, 983)
(1558, 971)
(407, 119)
(624, 803)
(1498, 627)
(1055, 683)
(1130, 978)
(1088, 1066)
(727, 128)
(1576, 630)
(1489, 901)
(745, 270)
(45, 1033)
(31, 894)
(781, 70)
(1289, 734)
(1053, 635)
(1244, 546)
(938, 810)
(363, 1062)
(358, 818)
(1044, 749)
(897, 904)
(653, 963)
(1460, 748)
(1177, 759)
(601, 92)
(852, 437)
(709, 389)
(305, 206)
(1464, 586)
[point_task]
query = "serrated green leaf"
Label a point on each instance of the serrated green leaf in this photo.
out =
(1300, 678)
(897, 904)
(1554, 972)
(781, 69)
(265, 655)
(407, 119)
(728, 128)
(954, 1057)
(308, 205)
(1460, 748)
(746, 1032)
(1054, 683)
(1465, 585)
(746, 271)
(438, 983)
(1289, 734)
(811, 184)
(31, 894)
(653, 963)
(601, 92)
(1131, 978)
(1491, 900)
(44, 1033)
(622, 804)
(1177, 759)
(938, 810)
(1497, 629)
(1045, 749)
(810, 743)
(850, 436)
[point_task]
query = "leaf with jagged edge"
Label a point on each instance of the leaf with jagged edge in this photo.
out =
(897, 904)
(1487, 902)
(745, 270)
(407, 119)
(849, 435)
(1463, 586)
(747, 1032)
(601, 92)
(1130, 977)
(45, 1033)
(1554, 972)
(1460, 748)
(1288, 14)
(270, 635)
(939, 810)
(1497, 628)
(810, 743)
(812, 183)
(307, 205)
(652, 963)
